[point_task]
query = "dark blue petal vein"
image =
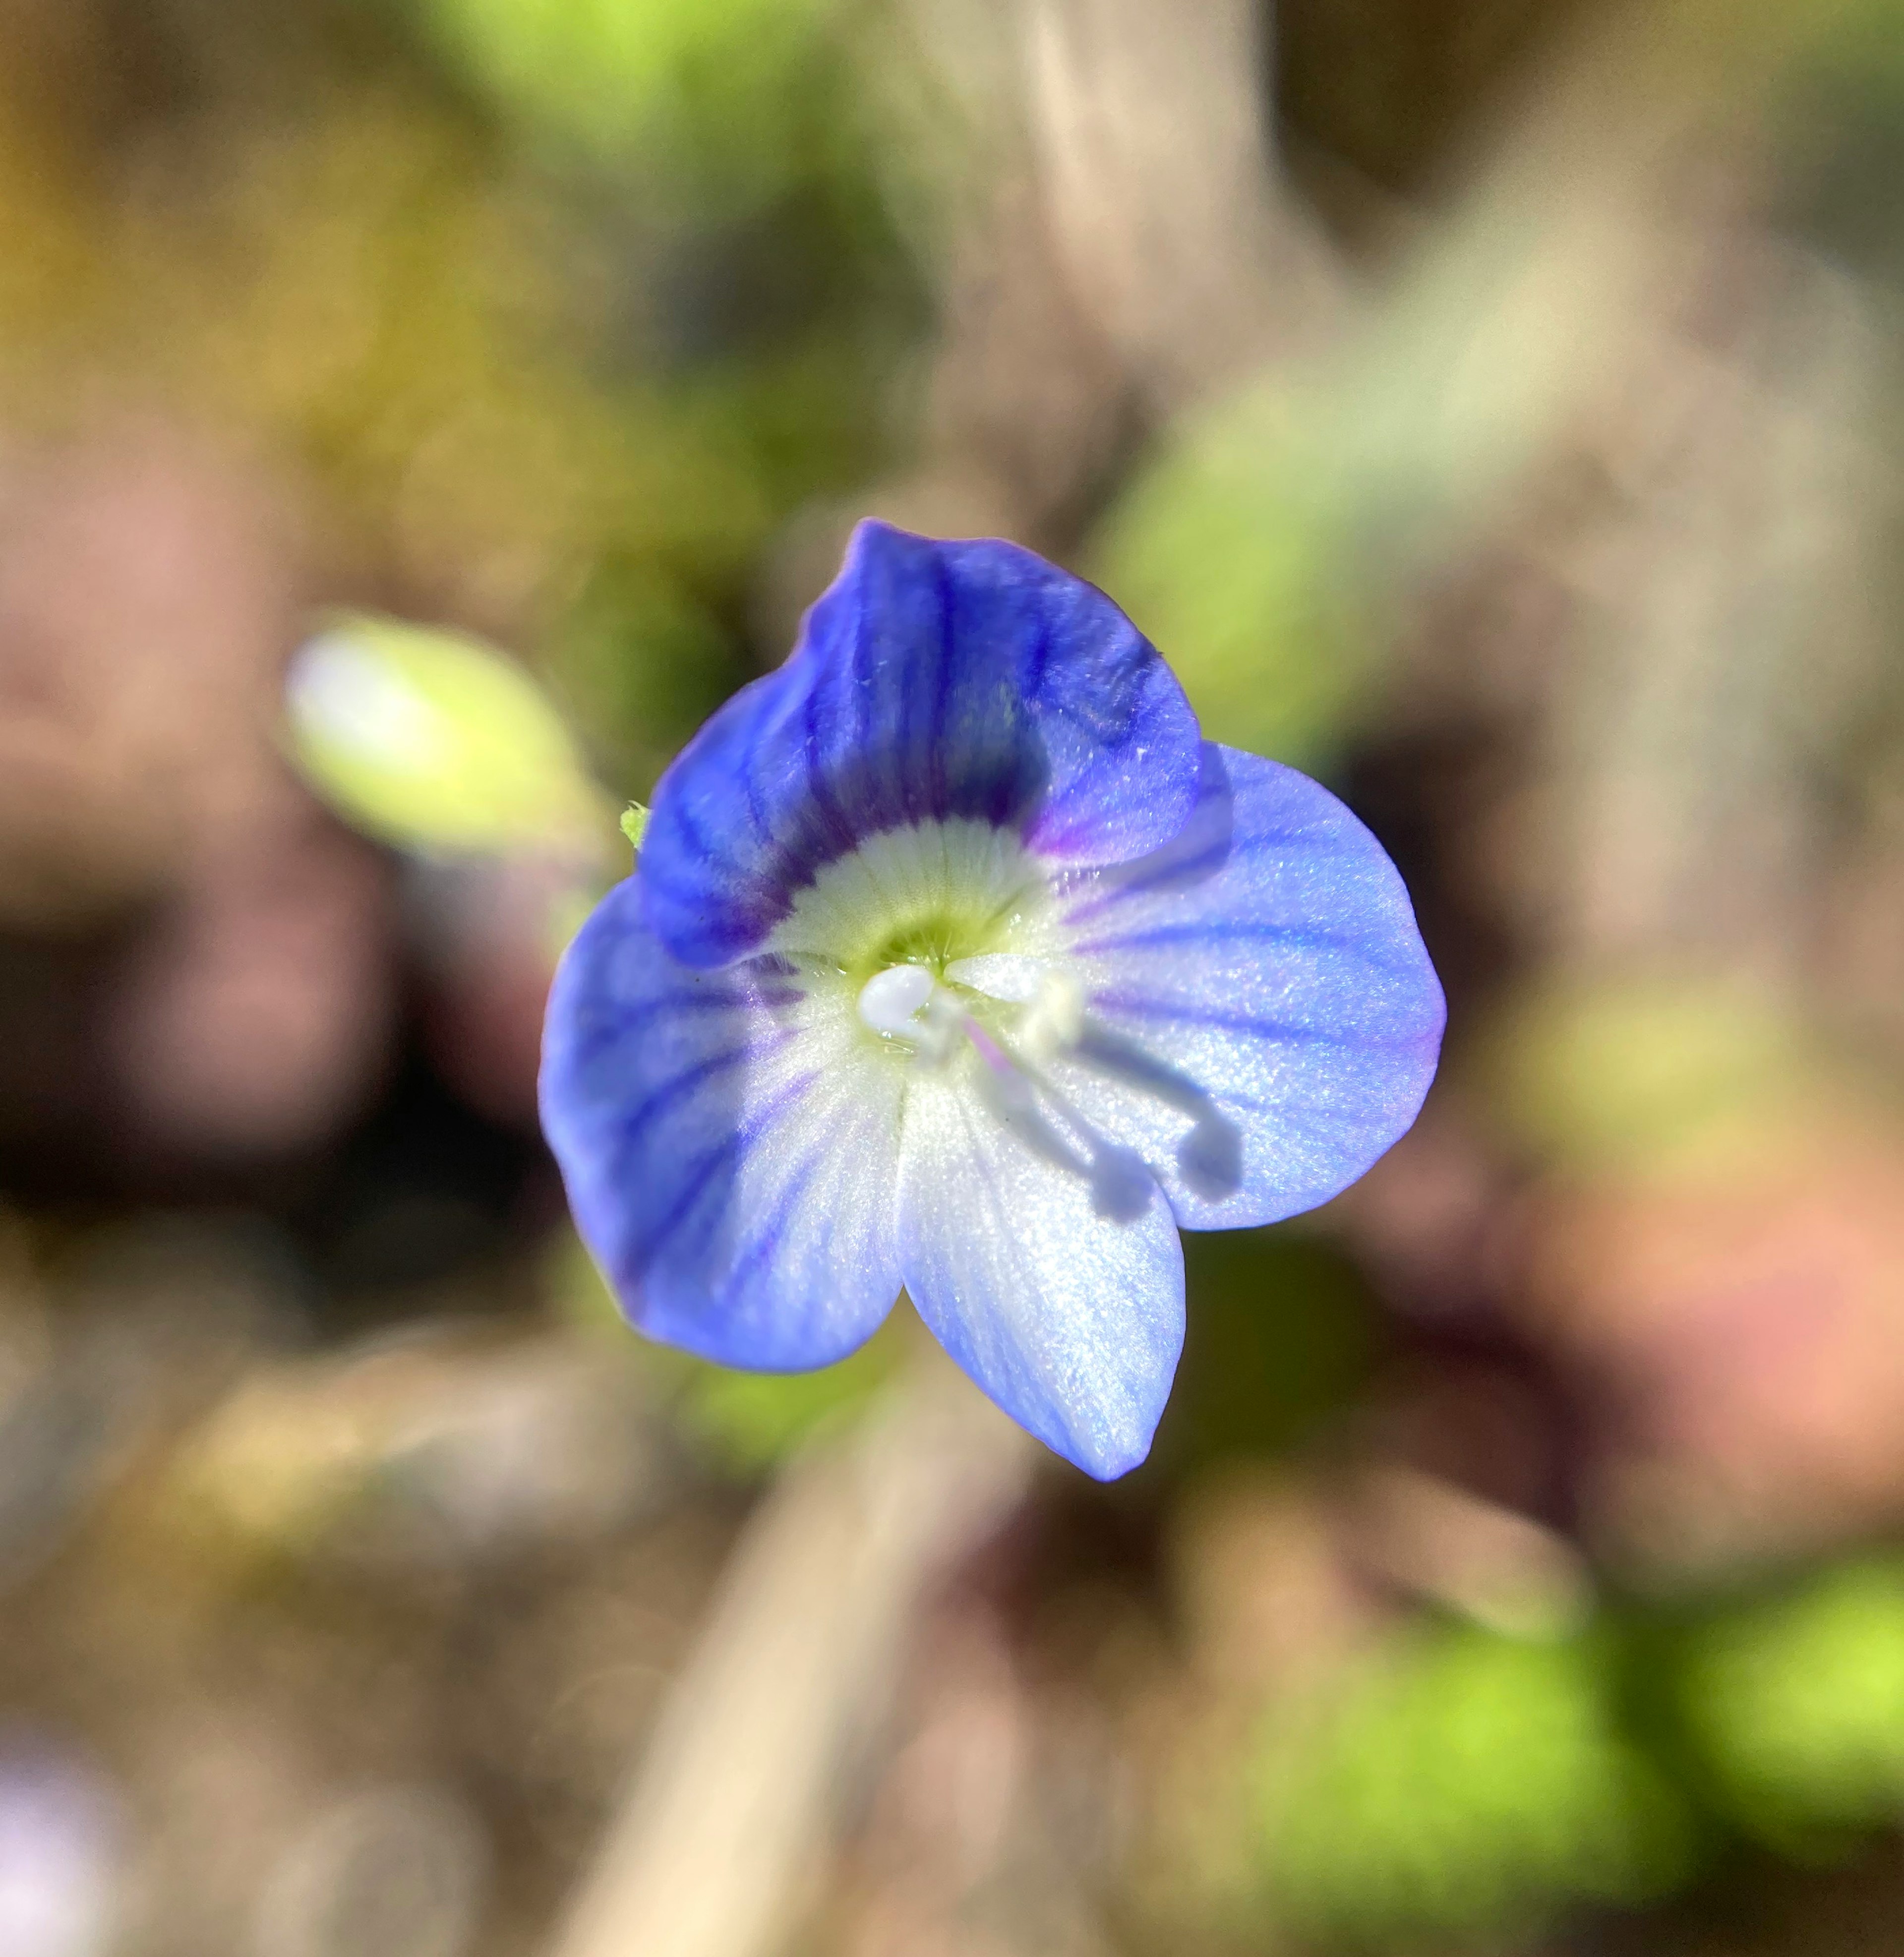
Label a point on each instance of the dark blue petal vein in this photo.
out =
(731, 1159)
(934, 681)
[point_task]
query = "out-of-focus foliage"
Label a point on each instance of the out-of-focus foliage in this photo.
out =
(1637, 1073)
(1461, 1782)
(641, 659)
(430, 739)
(750, 1422)
(1457, 1783)
(1236, 552)
(1798, 1704)
(742, 1424)
(1281, 1335)
(530, 419)
(617, 77)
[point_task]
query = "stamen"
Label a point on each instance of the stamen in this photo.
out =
(906, 1002)
(1054, 1026)
(1054, 1022)
(890, 1001)
(1121, 1184)
(1013, 1098)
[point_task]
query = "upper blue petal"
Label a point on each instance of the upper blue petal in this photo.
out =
(1262, 1019)
(730, 1157)
(932, 682)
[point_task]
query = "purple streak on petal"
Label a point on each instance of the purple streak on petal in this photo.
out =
(710, 1175)
(1213, 930)
(731, 1161)
(1115, 1004)
(696, 1079)
(1269, 953)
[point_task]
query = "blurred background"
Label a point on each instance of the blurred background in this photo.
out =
(415, 416)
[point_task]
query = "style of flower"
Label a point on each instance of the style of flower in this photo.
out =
(956, 959)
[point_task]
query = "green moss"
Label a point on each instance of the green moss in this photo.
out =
(1463, 1783)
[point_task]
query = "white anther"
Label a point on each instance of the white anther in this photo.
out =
(1054, 1022)
(890, 1001)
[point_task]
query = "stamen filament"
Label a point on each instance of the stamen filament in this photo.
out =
(907, 1003)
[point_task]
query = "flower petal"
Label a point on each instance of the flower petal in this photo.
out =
(1071, 1320)
(730, 1145)
(933, 681)
(1262, 1020)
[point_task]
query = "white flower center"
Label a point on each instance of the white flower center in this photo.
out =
(937, 1020)
(939, 939)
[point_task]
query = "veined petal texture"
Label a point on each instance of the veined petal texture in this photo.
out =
(934, 681)
(729, 1145)
(1262, 1020)
(1072, 1321)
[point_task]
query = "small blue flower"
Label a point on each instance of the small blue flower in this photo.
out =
(957, 959)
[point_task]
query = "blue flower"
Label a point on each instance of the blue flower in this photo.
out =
(957, 959)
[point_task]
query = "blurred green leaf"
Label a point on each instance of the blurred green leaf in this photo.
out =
(1461, 1782)
(432, 741)
(1281, 1333)
(752, 1421)
(1798, 1708)
(745, 1423)
(1630, 1072)
(607, 77)
(635, 825)
(1233, 554)
(643, 662)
